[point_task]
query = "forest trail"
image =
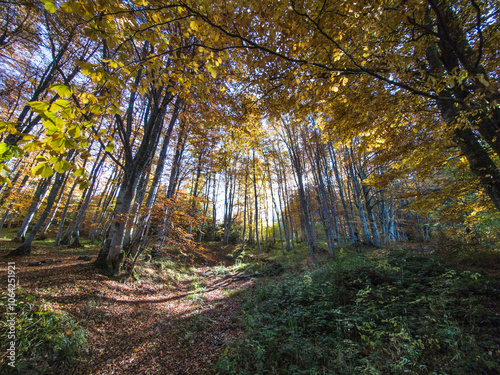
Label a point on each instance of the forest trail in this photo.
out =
(151, 326)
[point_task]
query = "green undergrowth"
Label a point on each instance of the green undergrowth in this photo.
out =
(384, 313)
(47, 341)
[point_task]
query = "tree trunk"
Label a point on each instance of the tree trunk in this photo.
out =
(256, 205)
(297, 165)
(39, 195)
(245, 209)
(25, 248)
(83, 209)
(341, 192)
(359, 204)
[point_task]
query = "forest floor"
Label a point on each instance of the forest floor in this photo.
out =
(168, 322)
(182, 312)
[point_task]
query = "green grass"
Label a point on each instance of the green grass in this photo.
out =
(47, 341)
(385, 313)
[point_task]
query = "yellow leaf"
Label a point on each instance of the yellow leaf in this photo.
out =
(75, 131)
(64, 91)
(49, 6)
(114, 111)
(42, 170)
(39, 106)
(58, 105)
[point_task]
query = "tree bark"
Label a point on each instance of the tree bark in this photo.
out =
(25, 248)
(256, 205)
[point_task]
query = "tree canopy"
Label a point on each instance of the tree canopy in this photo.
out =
(354, 105)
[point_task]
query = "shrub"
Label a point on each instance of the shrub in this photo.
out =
(47, 341)
(387, 314)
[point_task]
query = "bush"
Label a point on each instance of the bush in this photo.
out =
(387, 314)
(47, 341)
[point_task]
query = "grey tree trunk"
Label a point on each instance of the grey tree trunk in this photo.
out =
(214, 205)
(341, 192)
(245, 208)
(359, 205)
(83, 209)
(284, 218)
(111, 255)
(25, 248)
(275, 208)
(229, 192)
(54, 211)
(39, 195)
(369, 208)
(323, 203)
(140, 237)
(63, 216)
(297, 165)
(205, 207)
(256, 204)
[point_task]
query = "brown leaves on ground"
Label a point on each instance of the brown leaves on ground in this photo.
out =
(142, 327)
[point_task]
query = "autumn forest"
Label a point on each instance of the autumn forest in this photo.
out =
(250, 187)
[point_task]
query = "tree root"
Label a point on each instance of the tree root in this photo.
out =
(76, 244)
(21, 251)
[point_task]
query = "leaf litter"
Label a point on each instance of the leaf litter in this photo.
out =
(145, 327)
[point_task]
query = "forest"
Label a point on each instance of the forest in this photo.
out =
(250, 187)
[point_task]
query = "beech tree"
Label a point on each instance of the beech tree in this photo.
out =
(430, 51)
(309, 113)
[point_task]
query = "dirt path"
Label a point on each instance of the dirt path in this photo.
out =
(141, 327)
